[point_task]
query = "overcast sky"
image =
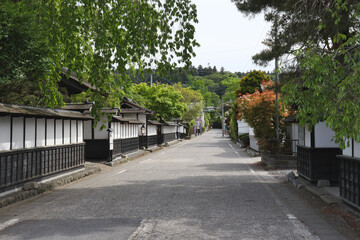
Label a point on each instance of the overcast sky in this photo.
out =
(228, 39)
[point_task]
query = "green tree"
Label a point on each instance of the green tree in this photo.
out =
(98, 38)
(193, 99)
(325, 88)
(233, 123)
(251, 82)
(259, 111)
(298, 24)
(232, 84)
(164, 100)
(23, 56)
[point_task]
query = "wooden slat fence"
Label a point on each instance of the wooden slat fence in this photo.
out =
(18, 166)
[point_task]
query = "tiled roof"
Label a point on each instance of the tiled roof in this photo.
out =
(17, 110)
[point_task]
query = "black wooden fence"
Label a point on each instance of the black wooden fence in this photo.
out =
(168, 137)
(129, 144)
(18, 166)
(350, 179)
(148, 141)
(318, 163)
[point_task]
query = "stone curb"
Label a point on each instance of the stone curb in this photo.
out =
(172, 143)
(44, 187)
(253, 153)
(132, 156)
(327, 198)
(318, 192)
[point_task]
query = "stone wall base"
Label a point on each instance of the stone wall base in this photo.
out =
(282, 162)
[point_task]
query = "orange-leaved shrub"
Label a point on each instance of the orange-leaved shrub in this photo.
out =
(259, 111)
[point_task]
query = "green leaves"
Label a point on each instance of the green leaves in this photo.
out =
(251, 82)
(328, 90)
(164, 100)
(95, 39)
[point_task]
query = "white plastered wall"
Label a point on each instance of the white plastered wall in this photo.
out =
(5, 133)
(50, 132)
(168, 129)
(40, 132)
(323, 136)
(116, 128)
(59, 131)
(301, 136)
(29, 132)
(73, 131)
(88, 129)
(80, 136)
(356, 149)
(66, 131)
(348, 150)
(243, 127)
(152, 130)
(134, 130)
(122, 131)
(253, 141)
(101, 134)
(18, 133)
(307, 137)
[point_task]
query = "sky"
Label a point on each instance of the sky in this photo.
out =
(228, 38)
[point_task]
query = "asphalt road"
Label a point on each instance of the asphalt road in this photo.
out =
(205, 188)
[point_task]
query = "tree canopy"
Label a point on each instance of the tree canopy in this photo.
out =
(296, 24)
(251, 82)
(23, 56)
(193, 99)
(325, 88)
(94, 39)
(164, 100)
(322, 38)
(259, 111)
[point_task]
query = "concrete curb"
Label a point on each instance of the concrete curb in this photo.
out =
(44, 187)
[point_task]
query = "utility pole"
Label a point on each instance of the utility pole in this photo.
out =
(277, 108)
(277, 90)
(222, 117)
(151, 80)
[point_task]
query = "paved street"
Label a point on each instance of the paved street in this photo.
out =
(205, 188)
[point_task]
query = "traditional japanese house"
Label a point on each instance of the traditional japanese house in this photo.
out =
(181, 131)
(99, 137)
(349, 180)
(72, 84)
(316, 154)
(148, 130)
(38, 142)
(130, 109)
(152, 136)
(111, 137)
(168, 131)
(125, 135)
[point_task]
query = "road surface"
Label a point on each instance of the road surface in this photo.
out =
(204, 188)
